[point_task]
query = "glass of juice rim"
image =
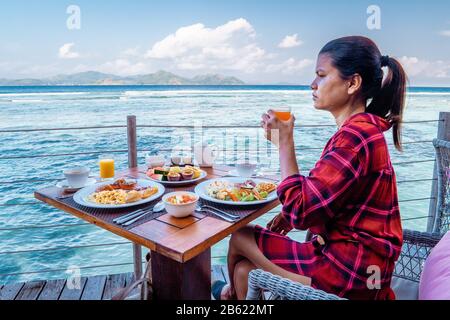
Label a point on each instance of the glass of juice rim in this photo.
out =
(283, 113)
(106, 166)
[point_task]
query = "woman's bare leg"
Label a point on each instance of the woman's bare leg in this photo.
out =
(241, 272)
(243, 247)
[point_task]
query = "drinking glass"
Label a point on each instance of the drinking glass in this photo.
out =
(283, 113)
(106, 166)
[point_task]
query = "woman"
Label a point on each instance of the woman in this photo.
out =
(349, 200)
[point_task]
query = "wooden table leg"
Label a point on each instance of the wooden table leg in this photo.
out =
(173, 280)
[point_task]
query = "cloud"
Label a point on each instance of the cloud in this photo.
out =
(289, 66)
(124, 67)
(132, 52)
(290, 42)
(65, 52)
(445, 33)
(415, 67)
(230, 46)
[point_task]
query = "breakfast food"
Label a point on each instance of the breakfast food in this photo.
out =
(121, 191)
(236, 192)
(181, 199)
(175, 173)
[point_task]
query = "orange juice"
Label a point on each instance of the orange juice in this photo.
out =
(283, 115)
(106, 168)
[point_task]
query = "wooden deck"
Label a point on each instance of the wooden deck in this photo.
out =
(92, 288)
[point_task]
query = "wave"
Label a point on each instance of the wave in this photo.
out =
(27, 94)
(25, 100)
(436, 93)
(158, 93)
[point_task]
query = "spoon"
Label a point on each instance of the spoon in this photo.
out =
(157, 208)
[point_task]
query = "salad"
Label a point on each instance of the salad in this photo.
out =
(246, 191)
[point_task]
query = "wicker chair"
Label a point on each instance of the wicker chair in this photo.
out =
(416, 248)
(441, 222)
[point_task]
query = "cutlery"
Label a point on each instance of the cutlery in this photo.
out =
(157, 208)
(230, 215)
(131, 214)
(226, 218)
(64, 196)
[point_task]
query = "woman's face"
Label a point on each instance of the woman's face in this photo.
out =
(330, 91)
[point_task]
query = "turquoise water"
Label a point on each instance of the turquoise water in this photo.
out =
(58, 107)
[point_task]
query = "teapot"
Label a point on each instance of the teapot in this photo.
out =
(205, 154)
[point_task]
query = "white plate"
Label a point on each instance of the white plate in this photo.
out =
(81, 197)
(181, 182)
(65, 185)
(200, 189)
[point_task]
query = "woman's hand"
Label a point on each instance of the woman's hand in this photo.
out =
(277, 131)
(279, 225)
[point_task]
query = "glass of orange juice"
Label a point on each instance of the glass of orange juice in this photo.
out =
(283, 113)
(106, 166)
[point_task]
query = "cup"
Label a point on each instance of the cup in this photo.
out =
(106, 166)
(283, 113)
(205, 154)
(77, 176)
(155, 161)
(246, 167)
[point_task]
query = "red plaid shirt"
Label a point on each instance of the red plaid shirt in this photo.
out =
(350, 199)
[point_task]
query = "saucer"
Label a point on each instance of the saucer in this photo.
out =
(64, 185)
(234, 173)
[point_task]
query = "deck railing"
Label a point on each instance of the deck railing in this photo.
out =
(132, 150)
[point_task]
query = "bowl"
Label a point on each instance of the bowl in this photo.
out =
(154, 161)
(180, 210)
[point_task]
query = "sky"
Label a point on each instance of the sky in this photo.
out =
(258, 41)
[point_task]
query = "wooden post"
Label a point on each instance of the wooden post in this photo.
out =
(132, 163)
(443, 133)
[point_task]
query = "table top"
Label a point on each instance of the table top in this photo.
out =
(178, 239)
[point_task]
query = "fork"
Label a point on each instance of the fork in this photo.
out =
(231, 215)
(225, 217)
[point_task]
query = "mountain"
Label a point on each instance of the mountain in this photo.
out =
(99, 78)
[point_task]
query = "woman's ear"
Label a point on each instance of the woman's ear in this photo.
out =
(354, 84)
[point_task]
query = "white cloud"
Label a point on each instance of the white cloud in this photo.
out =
(131, 52)
(290, 42)
(289, 66)
(65, 52)
(230, 46)
(415, 67)
(124, 67)
(445, 33)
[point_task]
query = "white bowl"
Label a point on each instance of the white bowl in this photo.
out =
(180, 210)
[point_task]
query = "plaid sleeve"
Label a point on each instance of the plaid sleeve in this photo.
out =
(313, 200)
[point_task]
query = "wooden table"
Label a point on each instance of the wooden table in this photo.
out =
(180, 248)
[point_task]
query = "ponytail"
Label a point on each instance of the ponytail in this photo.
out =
(389, 101)
(360, 55)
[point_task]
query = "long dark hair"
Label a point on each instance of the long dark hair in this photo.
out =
(360, 55)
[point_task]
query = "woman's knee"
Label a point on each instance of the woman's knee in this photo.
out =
(242, 236)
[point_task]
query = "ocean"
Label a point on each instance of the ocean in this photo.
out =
(34, 159)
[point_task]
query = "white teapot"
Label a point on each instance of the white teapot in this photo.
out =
(205, 154)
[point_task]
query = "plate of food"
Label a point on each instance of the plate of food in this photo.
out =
(176, 175)
(119, 194)
(237, 191)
